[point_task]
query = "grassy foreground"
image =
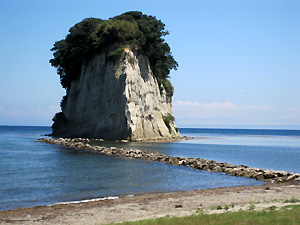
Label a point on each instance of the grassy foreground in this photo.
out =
(288, 215)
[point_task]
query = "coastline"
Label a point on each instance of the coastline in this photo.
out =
(195, 163)
(146, 206)
(150, 205)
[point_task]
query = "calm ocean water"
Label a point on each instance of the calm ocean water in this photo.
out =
(33, 173)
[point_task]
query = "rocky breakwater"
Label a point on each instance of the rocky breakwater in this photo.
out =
(196, 163)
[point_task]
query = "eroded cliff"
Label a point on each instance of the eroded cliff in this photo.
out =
(116, 99)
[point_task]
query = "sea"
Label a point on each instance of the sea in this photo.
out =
(37, 174)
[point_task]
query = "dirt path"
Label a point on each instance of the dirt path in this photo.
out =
(152, 205)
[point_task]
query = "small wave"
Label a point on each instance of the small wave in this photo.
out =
(87, 200)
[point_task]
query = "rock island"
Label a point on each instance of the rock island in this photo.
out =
(116, 76)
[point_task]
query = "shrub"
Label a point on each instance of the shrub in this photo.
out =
(92, 36)
(115, 54)
(292, 200)
(168, 119)
(59, 119)
(219, 207)
(273, 207)
(252, 207)
(63, 101)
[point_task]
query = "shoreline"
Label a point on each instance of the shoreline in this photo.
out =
(81, 201)
(195, 163)
(149, 205)
(122, 196)
(146, 206)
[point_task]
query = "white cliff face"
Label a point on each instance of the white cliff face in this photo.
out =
(116, 100)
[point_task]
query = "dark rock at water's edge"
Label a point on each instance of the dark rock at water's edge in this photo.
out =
(196, 163)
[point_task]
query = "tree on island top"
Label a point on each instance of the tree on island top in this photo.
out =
(132, 30)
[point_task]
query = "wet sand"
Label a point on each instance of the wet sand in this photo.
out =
(146, 206)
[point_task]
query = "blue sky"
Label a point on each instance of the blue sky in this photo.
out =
(239, 61)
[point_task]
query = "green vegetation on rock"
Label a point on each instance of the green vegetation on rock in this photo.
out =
(92, 36)
(59, 120)
(168, 119)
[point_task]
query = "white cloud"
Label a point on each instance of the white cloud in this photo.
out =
(257, 107)
(189, 113)
(207, 106)
(291, 113)
(203, 110)
(34, 116)
(15, 112)
(44, 113)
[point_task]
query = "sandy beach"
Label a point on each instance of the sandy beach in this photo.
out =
(131, 208)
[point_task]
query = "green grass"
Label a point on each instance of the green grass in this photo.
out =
(252, 207)
(219, 207)
(292, 207)
(292, 200)
(273, 207)
(290, 215)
